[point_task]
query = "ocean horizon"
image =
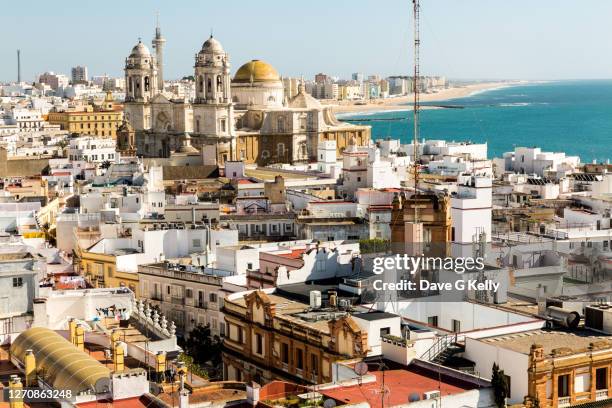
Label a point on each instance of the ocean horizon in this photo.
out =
(574, 117)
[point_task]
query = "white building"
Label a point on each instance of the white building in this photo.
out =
(471, 210)
(27, 120)
(92, 149)
(532, 160)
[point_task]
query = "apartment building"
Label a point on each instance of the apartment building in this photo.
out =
(189, 295)
(99, 120)
(269, 336)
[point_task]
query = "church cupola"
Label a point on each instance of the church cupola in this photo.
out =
(140, 74)
(212, 73)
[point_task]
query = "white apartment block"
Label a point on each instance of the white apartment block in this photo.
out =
(92, 149)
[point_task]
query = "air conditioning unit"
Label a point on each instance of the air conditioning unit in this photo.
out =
(431, 395)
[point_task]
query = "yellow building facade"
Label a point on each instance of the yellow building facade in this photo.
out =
(89, 120)
(100, 270)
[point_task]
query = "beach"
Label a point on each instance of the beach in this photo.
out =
(398, 103)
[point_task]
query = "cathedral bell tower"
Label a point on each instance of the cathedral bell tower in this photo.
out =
(140, 85)
(126, 140)
(213, 110)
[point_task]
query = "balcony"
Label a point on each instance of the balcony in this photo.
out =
(564, 402)
(202, 305)
(601, 395)
(177, 300)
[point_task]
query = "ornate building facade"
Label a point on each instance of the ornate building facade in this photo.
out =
(246, 118)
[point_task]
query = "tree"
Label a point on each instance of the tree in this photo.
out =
(203, 346)
(105, 164)
(204, 349)
(499, 382)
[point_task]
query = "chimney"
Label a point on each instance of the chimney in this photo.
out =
(80, 338)
(160, 365)
(15, 384)
(333, 298)
(183, 399)
(30, 369)
(182, 374)
(118, 356)
(72, 330)
(252, 390)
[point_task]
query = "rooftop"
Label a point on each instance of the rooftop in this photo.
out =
(375, 315)
(578, 340)
(399, 385)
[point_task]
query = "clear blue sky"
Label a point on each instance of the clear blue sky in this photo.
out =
(527, 39)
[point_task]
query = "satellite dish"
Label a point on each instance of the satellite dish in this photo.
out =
(414, 397)
(361, 368)
(329, 403)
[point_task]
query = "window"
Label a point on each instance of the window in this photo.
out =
(188, 293)
(601, 379)
(249, 266)
(358, 179)
(299, 359)
(17, 282)
(258, 344)
(314, 364)
(453, 234)
(456, 326)
(223, 126)
(168, 290)
(432, 321)
(563, 386)
(196, 243)
(212, 297)
(285, 353)
(385, 331)
(240, 335)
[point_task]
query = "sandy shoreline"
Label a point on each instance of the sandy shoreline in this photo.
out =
(442, 95)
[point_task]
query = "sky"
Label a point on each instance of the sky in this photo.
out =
(461, 39)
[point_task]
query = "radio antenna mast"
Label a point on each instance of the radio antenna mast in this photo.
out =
(415, 143)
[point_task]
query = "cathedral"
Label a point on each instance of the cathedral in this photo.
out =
(247, 117)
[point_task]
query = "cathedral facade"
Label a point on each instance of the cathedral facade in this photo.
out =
(247, 117)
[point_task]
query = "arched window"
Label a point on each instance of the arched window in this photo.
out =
(130, 85)
(209, 85)
(201, 83)
(219, 83)
(146, 84)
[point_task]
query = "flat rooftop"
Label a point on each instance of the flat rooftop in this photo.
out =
(375, 315)
(578, 340)
(298, 312)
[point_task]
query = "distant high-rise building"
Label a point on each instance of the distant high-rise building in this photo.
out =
(79, 74)
(358, 76)
(322, 78)
(54, 80)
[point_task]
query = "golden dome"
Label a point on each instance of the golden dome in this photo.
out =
(256, 71)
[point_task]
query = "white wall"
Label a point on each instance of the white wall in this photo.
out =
(513, 363)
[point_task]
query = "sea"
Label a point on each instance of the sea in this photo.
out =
(574, 117)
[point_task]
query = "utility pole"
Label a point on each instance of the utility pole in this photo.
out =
(415, 109)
